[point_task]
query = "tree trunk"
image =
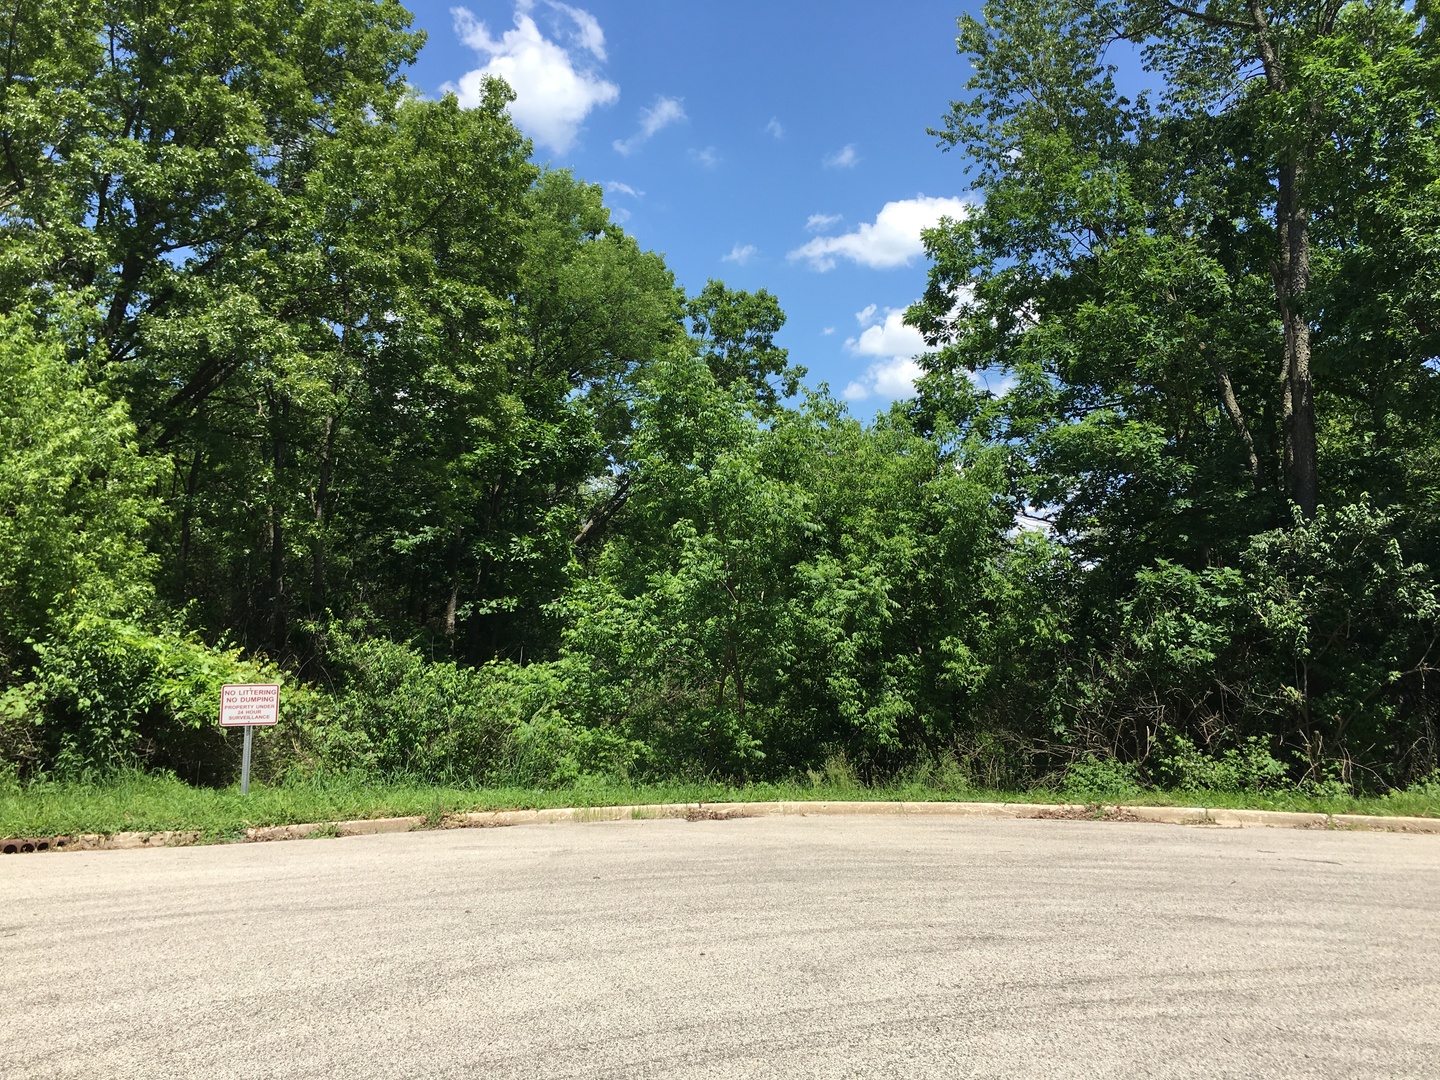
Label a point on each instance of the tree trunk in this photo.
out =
(321, 508)
(1292, 280)
(1304, 482)
(1237, 418)
(452, 602)
(187, 514)
(279, 416)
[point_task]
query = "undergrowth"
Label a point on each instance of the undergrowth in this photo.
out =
(146, 802)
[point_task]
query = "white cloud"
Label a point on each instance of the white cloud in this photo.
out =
(828, 331)
(587, 34)
(1029, 523)
(662, 114)
(888, 336)
(895, 346)
(819, 222)
(844, 158)
(618, 188)
(553, 94)
(741, 254)
(775, 128)
(893, 379)
(892, 239)
(706, 158)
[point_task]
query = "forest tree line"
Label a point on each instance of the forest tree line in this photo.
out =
(304, 377)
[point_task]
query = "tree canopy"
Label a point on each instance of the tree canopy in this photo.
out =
(1211, 295)
(304, 377)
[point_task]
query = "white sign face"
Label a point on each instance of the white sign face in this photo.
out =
(249, 704)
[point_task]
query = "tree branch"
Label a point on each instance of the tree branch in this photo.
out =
(1274, 75)
(607, 510)
(1329, 15)
(1208, 19)
(1237, 418)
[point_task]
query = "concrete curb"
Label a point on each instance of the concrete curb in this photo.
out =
(1385, 824)
(490, 819)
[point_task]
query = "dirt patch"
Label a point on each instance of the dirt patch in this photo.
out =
(704, 813)
(470, 820)
(1087, 813)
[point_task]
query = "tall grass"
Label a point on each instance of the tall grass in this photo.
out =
(148, 803)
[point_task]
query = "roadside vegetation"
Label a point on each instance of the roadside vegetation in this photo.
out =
(361, 400)
(146, 802)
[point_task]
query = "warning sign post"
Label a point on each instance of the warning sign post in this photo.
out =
(249, 705)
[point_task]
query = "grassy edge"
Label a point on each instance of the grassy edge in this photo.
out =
(154, 804)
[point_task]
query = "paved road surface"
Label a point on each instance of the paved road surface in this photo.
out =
(783, 947)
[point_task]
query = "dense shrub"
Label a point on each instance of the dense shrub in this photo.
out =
(107, 694)
(75, 497)
(398, 713)
(1309, 661)
(1178, 764)
(778, 593)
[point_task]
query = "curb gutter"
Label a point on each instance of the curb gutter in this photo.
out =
(489, 819)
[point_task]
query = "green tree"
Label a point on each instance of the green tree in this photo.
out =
(386, 355)
(685, 615)
(76, 498)
(736, 331)
(781, 588)
(1213, 301)
(1166, 275)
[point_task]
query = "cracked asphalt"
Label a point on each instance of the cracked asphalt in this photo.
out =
(839, 946)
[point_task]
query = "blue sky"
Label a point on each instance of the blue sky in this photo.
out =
(772, 145)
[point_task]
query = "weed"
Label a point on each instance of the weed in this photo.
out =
(1095, 779)
(134, 801)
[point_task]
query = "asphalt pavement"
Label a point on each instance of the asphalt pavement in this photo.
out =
(901, 947)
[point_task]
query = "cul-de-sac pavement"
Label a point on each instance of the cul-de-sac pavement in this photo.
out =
(777, 947)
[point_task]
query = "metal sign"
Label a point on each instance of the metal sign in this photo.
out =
(249, 705)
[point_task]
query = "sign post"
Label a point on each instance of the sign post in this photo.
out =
(249, 705)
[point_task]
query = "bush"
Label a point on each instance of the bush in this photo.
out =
(108, 695)
(1346, 627)
(105, 694)
(75, 498)
(1095, 779)
(1428, 786)
(1248, 768)
(1308, 659)
(397, 713)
